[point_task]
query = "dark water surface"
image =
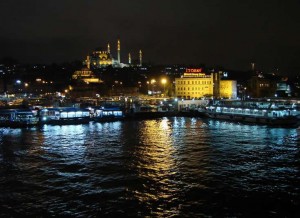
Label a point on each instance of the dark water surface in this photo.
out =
(182, 167)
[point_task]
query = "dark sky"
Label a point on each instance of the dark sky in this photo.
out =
(230, 33)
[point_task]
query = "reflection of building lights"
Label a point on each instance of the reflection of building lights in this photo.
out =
(159, 161)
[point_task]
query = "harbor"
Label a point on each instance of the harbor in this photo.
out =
(256, 111)
(149, 109)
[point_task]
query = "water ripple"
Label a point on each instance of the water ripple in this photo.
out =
(183, 167)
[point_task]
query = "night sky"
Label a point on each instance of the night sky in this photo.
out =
(229, 33)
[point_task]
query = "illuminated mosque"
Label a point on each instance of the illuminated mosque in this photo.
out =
(103, 58)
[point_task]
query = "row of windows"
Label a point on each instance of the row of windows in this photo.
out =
(192, 88)
(192, 93)
(194, 82)
(263, 85)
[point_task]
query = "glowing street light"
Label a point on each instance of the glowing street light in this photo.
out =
(164, 81)
(153, 81)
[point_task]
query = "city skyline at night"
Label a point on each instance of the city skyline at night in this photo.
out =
(149, 108)
(216, 33)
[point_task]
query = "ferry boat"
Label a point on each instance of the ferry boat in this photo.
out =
(17, 118)
(259, 112)
(64, 115)
(103, 114)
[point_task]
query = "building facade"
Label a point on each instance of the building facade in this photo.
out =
(195, 84)
(260, 87)
(85, 75)
(228, 89)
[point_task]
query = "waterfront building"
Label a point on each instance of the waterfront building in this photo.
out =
(261, 87)
(194, 84)
(228, 88)
(283, 89)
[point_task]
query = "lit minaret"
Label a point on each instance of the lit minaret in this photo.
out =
(108, 48)
(253, 66)
(88, 62)
(141, 56)
(129, 58)
(119, 49)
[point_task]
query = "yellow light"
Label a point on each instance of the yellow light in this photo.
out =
(164, 81)
(153, 81)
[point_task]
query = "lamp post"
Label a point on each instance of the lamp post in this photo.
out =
(164, 81)
(153, 81)
(147, 87)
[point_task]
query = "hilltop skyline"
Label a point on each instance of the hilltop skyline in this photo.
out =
(214, 33)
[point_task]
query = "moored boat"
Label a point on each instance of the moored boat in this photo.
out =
(64, 115)
(17, 118)
(258, 112)
(104, 114)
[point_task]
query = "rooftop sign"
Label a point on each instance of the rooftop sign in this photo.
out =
(193, 70)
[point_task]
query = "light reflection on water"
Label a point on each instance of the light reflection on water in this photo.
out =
(163, 167)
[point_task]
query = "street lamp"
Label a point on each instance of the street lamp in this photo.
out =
(164, 81)
(147, 87)
(152, 83)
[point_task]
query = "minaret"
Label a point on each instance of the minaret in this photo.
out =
(88, 62)
(108, 48)
(129, 58)
(119, 49)
(141, 56)
(253, 66)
